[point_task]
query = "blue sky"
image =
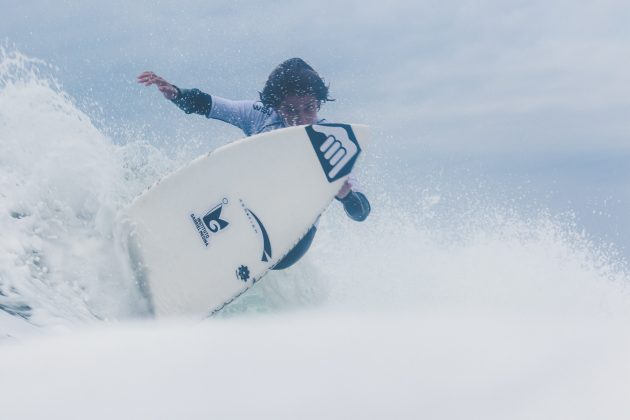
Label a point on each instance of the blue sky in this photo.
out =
(531, 92)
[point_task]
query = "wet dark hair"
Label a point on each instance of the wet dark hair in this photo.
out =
(293, 77)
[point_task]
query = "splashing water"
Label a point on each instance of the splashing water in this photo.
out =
(440, 296)
(63, 185)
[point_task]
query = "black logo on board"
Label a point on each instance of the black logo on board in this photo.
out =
(211, 222)
(336, 147)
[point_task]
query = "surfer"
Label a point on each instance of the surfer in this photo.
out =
(292, 95)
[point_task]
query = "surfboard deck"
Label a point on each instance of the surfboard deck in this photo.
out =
(205, 234)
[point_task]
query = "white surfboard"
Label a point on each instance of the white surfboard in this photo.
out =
(203, 235)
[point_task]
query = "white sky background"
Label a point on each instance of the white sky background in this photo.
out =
(537, 89)
(487, 76)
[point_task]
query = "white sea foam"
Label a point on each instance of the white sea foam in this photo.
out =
(415, 304)
(63, 183)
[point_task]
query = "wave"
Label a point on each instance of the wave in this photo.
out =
(63, 258)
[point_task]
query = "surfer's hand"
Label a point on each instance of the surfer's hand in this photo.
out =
(345, 189)
(149, 78)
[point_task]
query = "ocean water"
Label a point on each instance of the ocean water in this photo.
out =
(451, 290)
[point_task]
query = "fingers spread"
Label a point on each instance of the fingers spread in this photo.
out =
(147, 78)
(146, 74)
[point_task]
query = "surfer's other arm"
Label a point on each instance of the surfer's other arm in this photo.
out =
(355, 203)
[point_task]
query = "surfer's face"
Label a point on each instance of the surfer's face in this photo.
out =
(299, 110)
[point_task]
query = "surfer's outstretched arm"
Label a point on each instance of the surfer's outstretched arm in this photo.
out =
(149, 78)
(189, 100)
(249, 116)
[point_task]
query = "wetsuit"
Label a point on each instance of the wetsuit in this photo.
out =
(253, 117)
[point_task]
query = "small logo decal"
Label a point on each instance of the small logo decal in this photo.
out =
(242, 273)
(258, 106)
(258, 226)
(266, 243)
(336, 147)
(211, 222)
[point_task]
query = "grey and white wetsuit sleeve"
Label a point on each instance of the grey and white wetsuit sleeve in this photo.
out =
(246, 115)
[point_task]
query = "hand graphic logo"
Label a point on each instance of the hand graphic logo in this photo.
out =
(336, 148)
